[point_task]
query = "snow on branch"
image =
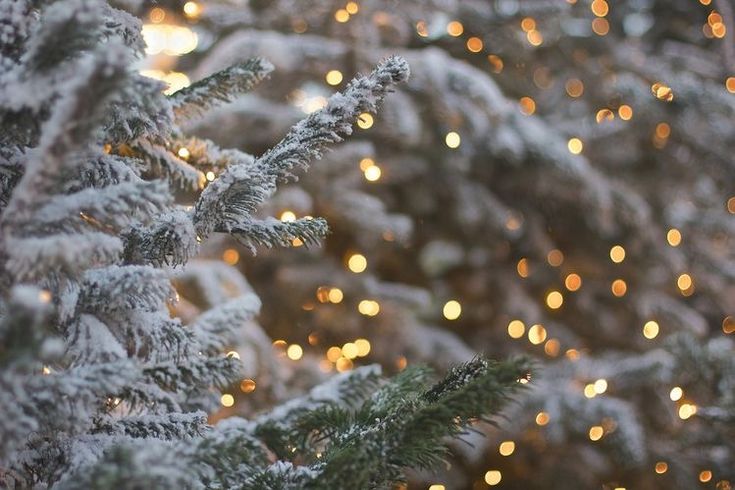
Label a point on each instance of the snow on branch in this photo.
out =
(271, 232)
(70, 127)
(239, 190)
(222, 86)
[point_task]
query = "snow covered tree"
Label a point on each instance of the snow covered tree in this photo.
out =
(555, 179)
(105, 200)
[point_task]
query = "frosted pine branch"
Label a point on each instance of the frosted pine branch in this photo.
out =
(239, 190)
(272, 232)
(222, 86)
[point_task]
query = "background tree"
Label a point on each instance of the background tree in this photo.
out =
(555, 179)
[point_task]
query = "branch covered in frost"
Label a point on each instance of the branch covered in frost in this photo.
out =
(231, 198)
(217, 327)
(222, 86)
(271, 232)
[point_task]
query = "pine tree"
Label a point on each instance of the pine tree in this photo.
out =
(560, 169)
(100, 385)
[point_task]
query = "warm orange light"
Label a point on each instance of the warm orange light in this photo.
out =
(619, 287)
(573, 282)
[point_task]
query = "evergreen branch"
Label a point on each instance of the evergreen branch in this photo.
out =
(67, 29)
(125, 288)
(217, 326)
(164, 164)
(61, 253)
(306, 141)
(71, 126)
(412, 432)
(272, 232)
(114, 206)
(170, 426)
(169, 240)
(222, 86)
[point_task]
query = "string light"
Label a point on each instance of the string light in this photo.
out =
(349, 350)
(294, 352)
(334, 77)
(686, 410)
(365, 120)
(372, 173)
(493, 477)
(157, 15)
(352, 8)
(231, 256)
(617, 254)
(528, 24)
(452, 139)
(210, 176)
(288, 216)
(536, 334)
(551, 347)
(574, 87)
(334, 353)
(625, 112)
(183, 153)
(542, 418)
(673, 236)
(357, 263)
(600, 26)
(600, 8)
(422, 29)
(341, 16)
(661, 467)
(619, 288)
(522, 267)
(343, 364)
(528, 106)
(705, 476)
(496, 62)
(589, 391)
(368, 307)
(169, 39)
(363, 347)
(600, 386)
(596, 432)
(452, 310)
(455, 28)
(730, 84)
(227, 400)
(676, 393)
(335, 295)
(573, 282)
(534, 38)
(247, 385)
(516, 329)
(506, 448)
(366, 163)
(555, 258)
(728, 325)
(684, 282)
(192, 9)
(662, 92)
(474, 44)
(650, 330)
(554, 300)
(604, 115)
(575, 146)
(233, 355)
